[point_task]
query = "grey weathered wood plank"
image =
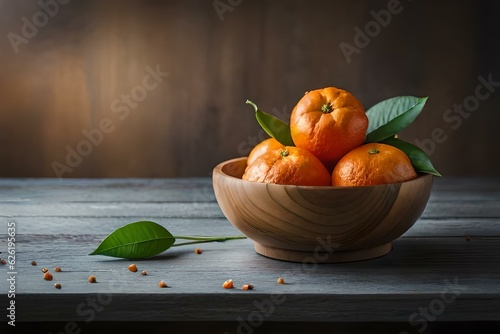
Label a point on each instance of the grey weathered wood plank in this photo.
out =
(434, 210)
(101, 183)
(112, 209)
(58, 224)
(462, 209)
(190, 190)
(415, 273)
(193, 197)
(303, 307)
(420, 261)
(220, 226)
(106, 190)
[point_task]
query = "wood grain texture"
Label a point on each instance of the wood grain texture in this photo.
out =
(432, 257)
(412, 275)
(290, 222)
(65, 79)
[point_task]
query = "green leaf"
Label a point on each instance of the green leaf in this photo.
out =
(420, 161)
(273, 126)
(387, 118)
(136, 240)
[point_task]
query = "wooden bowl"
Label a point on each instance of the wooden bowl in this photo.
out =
(319, 224)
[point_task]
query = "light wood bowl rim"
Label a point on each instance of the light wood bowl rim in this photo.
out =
(219, 169)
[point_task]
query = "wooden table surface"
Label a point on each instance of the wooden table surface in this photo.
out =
(444, 270)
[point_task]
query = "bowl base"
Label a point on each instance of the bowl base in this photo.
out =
(315, 257)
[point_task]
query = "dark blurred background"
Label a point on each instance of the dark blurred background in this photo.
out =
(158, 88)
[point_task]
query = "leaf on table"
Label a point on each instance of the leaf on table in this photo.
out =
(136, 240)
(273, 126)
(419, 159)
(387, 118)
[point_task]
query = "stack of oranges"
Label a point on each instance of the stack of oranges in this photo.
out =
(328, 127)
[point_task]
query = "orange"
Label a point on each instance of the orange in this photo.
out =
(262, 147)
(328, 122)
(288, 165)
(373, 164)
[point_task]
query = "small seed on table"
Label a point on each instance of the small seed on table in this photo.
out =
(198, 250)
(44, 270)
(57, 285)
(92, 279)
(47, 276)
(132, 268)
(228, 284)
(33, 263)
(247, 287)
(281, 280)
(162, 284)
(144, 273)
(58, 269)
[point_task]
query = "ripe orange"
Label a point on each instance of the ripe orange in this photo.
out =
(288, 165)
(262, 147)
(373, 164)
(329, 123)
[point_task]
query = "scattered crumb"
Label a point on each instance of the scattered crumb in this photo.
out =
(281, 280)
(247, 287)
(162, 284)
(58, 269)
(228, 284)
(198, 251)
(33, 263)
(48, 276)
(92, 279)
(57, 285)
(144, 273)
(132, 268)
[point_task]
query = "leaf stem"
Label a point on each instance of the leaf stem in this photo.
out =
(252, 104)
(199, 240)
